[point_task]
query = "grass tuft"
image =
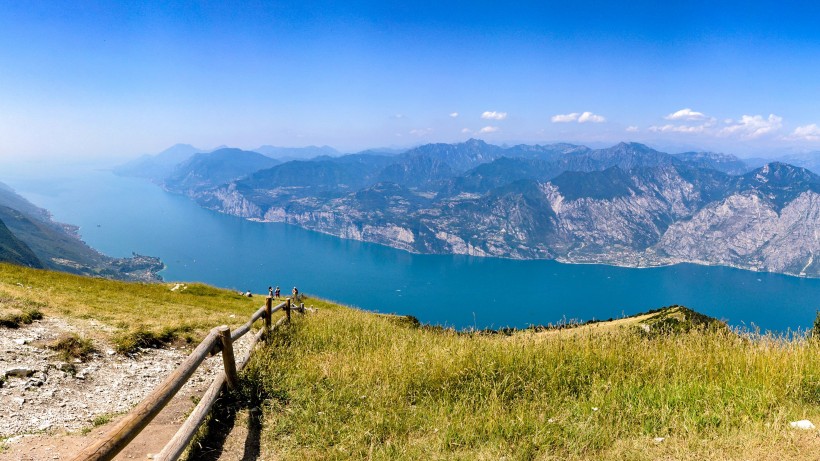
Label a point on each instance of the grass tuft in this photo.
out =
(141, 337)
(15, 312)
(102, 419)
(72, 346)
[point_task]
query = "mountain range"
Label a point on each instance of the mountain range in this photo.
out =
(627, 204)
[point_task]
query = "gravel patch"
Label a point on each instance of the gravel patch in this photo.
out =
(42, 394)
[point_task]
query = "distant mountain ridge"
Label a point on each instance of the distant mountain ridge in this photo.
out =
(627, 204)
(295, 153)
(159, 165)
(204, 170)
(171, 161)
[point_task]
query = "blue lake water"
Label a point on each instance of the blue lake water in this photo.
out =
(122, 215)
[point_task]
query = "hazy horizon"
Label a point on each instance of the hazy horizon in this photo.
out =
(33, 166)
(110, 82)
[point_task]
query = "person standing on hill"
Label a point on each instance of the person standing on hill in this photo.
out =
(270, 292)
(295, 294)
(276, 293)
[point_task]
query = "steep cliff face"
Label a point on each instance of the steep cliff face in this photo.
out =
(626, 205)
(746, 230)
(229, 200)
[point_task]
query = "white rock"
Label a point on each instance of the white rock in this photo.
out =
(804, 424)
(20, 341)
(21, 372)
(659, 439)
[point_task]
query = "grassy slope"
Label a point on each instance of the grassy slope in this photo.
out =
(128, 307)
(343, 384)
(348, 384)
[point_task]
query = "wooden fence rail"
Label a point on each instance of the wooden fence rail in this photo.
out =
(218, 339)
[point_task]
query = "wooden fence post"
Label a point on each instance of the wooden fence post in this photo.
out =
(287, 309)
(227, 357)
(268, 314)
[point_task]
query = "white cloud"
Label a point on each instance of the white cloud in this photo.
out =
(466, 130)
(576, 117)
(753, 126)
(590, 117)
(421, 131)
(494, 115)
(806, 133)
(669, 128)
(565, 118)
(488, 129)
(453, 114)
(632, 129)
(686, 114)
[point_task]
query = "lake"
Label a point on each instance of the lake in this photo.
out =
(119, 216)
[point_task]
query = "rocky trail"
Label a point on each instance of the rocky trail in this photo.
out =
(51, 409)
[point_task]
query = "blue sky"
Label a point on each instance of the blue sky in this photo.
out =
(116, 79)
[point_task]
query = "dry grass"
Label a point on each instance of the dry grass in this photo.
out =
(72, 346)
(15, 312)
(144, 315)
(348, 384)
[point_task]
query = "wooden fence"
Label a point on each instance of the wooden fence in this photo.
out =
(220, 339)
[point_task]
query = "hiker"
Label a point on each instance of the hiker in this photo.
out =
(276, 293)
(295, 294)
(270, 292)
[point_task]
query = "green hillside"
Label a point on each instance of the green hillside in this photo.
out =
(58, 246)
(341, 383)
(12, 250)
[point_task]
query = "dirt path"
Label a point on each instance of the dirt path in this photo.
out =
(50, 409)
(49, 446)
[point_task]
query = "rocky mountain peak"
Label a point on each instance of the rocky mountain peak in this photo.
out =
(778, 175)
(472, 142)
(779, 182)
